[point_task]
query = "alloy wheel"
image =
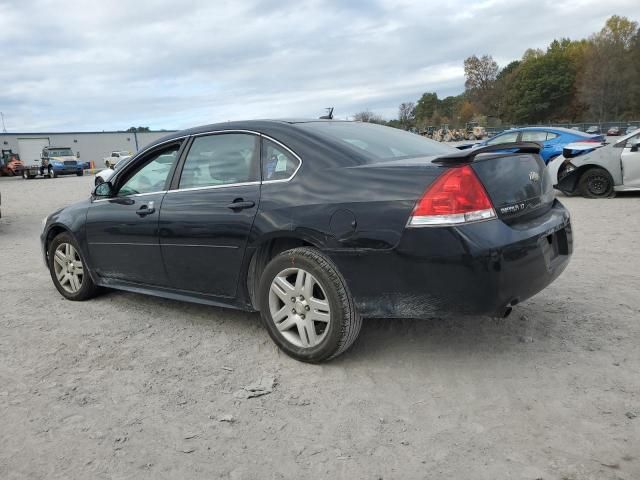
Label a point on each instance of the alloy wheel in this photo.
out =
(68, 267)
(299, 307)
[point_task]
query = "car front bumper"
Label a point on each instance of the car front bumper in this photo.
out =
(477, 269)
(68, 170)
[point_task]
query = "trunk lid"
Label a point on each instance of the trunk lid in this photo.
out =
(517, 183)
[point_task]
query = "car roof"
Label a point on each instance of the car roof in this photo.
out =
(549, 129)
(251, 125)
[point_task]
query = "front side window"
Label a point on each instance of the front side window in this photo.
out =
(152, 176)
(534, 136)
(277, 162)
(221, 159)
(505, 138)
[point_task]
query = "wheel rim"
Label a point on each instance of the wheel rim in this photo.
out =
(598, 185)
(299, 307)
(68, 267)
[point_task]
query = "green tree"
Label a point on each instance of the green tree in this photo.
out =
(425, 108)
(607, 86)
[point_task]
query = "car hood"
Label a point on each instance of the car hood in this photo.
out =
(64, 158)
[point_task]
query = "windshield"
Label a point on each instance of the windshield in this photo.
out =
(60, 152)
(376, 142)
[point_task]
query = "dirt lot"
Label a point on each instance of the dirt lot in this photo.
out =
(127, 386)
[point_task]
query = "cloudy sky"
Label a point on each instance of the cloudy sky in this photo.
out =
(111, 64)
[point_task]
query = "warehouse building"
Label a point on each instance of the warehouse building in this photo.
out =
(89, 146)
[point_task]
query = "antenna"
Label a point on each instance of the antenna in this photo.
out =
(4, 129)
(329, 115)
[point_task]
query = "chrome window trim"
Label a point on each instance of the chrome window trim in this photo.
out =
(213, 187)
(257, 182)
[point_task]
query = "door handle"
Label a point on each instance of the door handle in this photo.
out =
(146, 209)
(240, 204)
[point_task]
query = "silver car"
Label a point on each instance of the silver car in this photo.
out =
(597, 171)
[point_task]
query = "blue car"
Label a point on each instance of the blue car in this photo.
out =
(553, 139)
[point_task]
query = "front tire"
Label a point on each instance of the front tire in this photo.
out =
(80, 173)
(306, 306)
(596, 183)
(68, 269)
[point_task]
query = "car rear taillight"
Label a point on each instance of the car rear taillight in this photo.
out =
(457, 196)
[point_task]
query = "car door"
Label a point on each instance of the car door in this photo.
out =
(122, 229)
(630, 161)
(206, 217)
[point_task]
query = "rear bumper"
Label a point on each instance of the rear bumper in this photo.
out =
(476, 269)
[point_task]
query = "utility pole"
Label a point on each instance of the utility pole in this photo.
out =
(4, 129)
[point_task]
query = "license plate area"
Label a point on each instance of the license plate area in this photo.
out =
(554, 245)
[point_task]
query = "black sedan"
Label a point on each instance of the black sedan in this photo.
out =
(317, 224)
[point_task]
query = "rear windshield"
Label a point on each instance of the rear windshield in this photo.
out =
(376, 142)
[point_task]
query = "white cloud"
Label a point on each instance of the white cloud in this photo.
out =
(88, 65)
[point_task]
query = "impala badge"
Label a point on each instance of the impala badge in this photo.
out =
(534, 177)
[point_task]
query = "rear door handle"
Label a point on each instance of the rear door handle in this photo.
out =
(146, 209)
(240, 204)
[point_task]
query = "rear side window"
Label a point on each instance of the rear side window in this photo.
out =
(221, 159)
(506, 138)
(277, 162)
(535, 136)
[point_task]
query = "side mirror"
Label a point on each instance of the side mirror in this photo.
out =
(635, 145)
(103, 190)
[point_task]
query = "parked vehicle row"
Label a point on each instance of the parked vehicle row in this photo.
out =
(597, 171)
(553, 140)
(54, 161)
(278, 216)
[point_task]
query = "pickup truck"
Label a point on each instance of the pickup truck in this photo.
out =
(115, 157)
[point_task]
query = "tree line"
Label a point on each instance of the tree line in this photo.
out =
(590, 80)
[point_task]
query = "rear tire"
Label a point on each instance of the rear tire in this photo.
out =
(68, 269)
(318, 320)
(596, 183)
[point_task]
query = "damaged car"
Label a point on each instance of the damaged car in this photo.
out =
(316, 225)
(598, 171)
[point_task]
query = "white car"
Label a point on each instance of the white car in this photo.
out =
(597, 171)
(104, 175)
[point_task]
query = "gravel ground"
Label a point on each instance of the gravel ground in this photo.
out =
(127, 386)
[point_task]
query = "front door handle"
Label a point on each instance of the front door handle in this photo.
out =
(240, 204)
(146, 209)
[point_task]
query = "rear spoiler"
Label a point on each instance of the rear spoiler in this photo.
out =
(468, 156)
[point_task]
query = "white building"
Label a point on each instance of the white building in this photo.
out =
(91, 146)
